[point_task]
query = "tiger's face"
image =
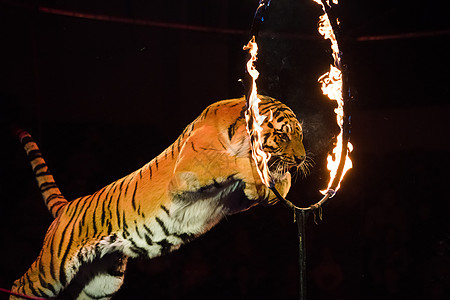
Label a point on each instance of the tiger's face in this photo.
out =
(283, 139)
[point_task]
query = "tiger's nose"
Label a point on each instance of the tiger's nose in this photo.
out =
(299, 159)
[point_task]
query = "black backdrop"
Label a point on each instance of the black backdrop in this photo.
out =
(103, 98)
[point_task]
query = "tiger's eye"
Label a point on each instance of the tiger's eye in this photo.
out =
(284, 137)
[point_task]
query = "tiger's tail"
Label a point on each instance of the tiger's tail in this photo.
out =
(53, 198)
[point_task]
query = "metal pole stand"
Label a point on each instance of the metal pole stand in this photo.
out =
(300, 217)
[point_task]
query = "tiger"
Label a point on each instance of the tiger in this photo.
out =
(207, 174)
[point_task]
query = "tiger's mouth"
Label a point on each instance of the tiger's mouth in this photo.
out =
(279, 165)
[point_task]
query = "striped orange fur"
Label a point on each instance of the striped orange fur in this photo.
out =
(206, 174)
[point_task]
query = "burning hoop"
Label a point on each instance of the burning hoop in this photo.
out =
(335, 86)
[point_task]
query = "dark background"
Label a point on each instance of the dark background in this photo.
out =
(102, 98)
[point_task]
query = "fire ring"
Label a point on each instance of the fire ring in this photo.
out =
(335, 86)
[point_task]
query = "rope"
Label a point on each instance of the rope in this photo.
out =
(19, 295)
(209, 29)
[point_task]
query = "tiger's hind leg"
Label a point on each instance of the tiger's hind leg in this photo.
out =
(100, 279)
(41, 279)
(102, 286)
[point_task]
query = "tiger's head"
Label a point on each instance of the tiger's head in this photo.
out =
(282, 138)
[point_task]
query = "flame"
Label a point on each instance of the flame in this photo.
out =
(254, 120)
(332, 87)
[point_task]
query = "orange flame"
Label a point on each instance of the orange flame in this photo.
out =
(254, 120)
(332, 87)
